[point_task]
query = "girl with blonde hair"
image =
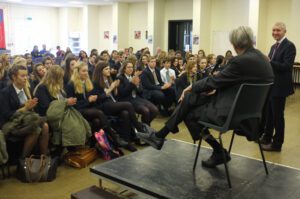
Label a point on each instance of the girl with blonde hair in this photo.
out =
(81, 88)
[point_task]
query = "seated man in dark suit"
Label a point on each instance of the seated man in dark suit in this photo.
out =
(211, 98)
(154, 89)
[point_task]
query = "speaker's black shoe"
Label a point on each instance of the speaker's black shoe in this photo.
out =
(151, 139)
(271, 147)
(215, 159)
(264, 139)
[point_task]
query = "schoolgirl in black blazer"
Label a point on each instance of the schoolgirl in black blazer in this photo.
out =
(130, 89)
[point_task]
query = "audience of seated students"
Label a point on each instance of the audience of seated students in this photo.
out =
(171, 53)
(81, 87)
(70, 64)
(178, 54)
(114, 63)
(217, 68)
(211, 62)
(29, 62)
(107, 92)
(83, 56)
(105, 55)
(202, 66)
(94, 52)
(44, 51)
(130, 50)
(19, 123)
(228, 53)
(161, 94)
(190, 76)
(51, 88)
(175, 66)
(38, 73)
(4, 80)
(159, 60)
(59, 52)
(143, 63)
(130, 89)
(201, 53)
(167, 74)
(48, 62)
(91, 64)
(132, 58)
(35, 52)
(181, 64)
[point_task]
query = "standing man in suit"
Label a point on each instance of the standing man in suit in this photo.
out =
(211, 98)
(281, 56)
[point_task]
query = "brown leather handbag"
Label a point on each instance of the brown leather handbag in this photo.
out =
(81, 158)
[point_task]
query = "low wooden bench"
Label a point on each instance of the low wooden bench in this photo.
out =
(93, 192)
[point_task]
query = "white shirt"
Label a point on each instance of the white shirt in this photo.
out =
(20, 90)
(163, 74)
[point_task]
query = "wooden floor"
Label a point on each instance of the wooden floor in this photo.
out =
(71, 180)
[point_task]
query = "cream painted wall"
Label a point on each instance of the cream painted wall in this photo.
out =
(138, 19)
(70, 21)
(105, 24)
(226, 15)
(175, 10)
(22, 34)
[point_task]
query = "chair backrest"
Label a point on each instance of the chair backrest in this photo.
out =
(248, 104)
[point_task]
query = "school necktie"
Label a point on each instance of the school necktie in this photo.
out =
(133, 93)
(110, 95)
(22, 97)
(155, 78)
(168, 75)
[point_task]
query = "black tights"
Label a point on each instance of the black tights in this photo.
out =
(31, 140)
(97, 119)
(125, 111)
(148, 112)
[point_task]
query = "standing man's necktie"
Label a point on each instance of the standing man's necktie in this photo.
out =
(275, 49)
(168, 75)
(22, 97)
(155, 78)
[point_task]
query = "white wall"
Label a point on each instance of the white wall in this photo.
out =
(22, 33)
(176, 10)
(138, 18)
(105, 24)
(226, 15)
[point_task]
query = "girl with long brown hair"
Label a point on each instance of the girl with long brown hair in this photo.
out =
(107, 92)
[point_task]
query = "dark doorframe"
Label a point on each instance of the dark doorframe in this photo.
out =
(180, 34)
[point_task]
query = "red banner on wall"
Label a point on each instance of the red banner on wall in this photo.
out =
(2, 32)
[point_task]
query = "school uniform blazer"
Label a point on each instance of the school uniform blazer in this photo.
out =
(282, 64)
(147, 79)
(102, 98)
(82, 103)
(125, 89)
(44, 100)
(10, 103)
(182, 82)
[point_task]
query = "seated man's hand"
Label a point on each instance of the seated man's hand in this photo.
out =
(209, 93)
(186, 90)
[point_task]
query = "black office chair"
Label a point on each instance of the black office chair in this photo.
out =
(248, 104)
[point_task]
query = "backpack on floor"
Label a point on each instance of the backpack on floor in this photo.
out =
(104, 146)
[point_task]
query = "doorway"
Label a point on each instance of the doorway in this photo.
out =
(180, 35)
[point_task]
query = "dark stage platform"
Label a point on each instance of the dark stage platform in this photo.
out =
(169, 174)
